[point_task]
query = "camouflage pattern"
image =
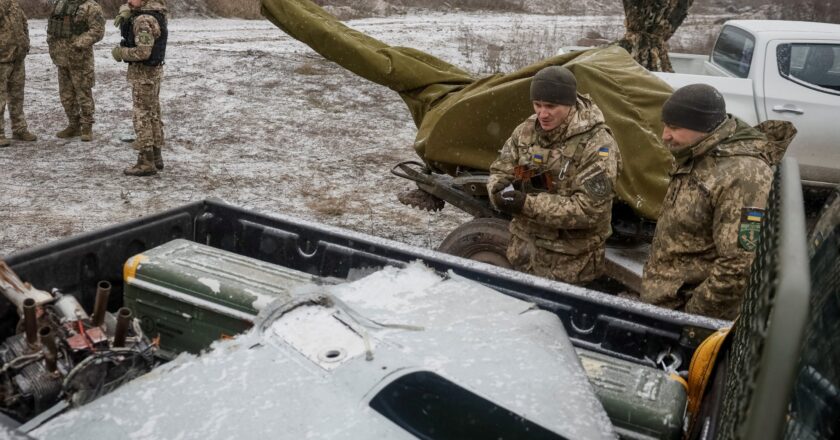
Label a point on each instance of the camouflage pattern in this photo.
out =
(145, 80)
(14, 45)
(561, 232)
(74, 58)
(711, 218)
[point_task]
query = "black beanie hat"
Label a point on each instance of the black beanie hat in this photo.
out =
(698, 107)
(554, 84)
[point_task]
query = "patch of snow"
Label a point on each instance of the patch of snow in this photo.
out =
(214, 285)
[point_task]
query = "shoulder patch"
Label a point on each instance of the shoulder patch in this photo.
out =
(145, 38)
(598, 186)
(750, 228)
(604, 151)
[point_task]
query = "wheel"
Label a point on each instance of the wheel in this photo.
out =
(481, 239)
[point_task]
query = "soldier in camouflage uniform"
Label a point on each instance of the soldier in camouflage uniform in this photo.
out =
(144, 29)
(14, 45)
(72, 30)
(711, 217)
(556, 176)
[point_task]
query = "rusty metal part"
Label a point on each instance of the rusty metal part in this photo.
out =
(417, 198)
(16, 291)
(95, 335)
(30, 322)
(103, 291)
(51, 354)
(124, 316)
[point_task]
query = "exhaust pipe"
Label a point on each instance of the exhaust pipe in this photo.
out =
(52, 351)
(30, 322)
(124, 316)
(103, 290)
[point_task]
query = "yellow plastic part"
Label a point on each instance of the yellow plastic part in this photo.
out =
(130, 268)
(700, 370)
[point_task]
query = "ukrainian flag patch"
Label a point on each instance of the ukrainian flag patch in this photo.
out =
(752, 215)
(537, 158)
(604, 151)
(750, 228)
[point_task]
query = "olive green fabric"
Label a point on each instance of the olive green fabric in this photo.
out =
(464, 121)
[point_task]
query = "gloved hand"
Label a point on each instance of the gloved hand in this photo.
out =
(510, 202)
(123, 15)
(117, 54)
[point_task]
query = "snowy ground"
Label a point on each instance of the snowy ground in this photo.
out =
(258, 120)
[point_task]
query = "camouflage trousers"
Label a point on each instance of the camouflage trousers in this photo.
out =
(145, 89)
(75, 87)
(581, 269)
(12, 78)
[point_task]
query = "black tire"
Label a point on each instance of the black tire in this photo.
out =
(481, 239)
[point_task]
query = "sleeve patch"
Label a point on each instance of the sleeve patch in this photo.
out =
(598, 186)
(750, 228)
(145, 39)
(604, 152)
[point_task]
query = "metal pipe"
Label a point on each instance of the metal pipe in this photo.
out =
(103, 290)
(51, 355)
(30, 322)
(124, 316)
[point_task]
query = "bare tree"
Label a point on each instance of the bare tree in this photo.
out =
(649, 24)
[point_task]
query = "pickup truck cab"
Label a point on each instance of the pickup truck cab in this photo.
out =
(783, 70)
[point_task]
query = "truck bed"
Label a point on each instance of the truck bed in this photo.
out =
(596, 321)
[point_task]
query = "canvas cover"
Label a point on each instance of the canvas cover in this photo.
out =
(463, 121)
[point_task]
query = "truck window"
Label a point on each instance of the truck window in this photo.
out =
(734, 51)
(816, 66)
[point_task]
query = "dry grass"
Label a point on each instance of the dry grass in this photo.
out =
(249, 9)
(521, 48)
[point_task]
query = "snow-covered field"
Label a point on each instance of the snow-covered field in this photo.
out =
(258, 120)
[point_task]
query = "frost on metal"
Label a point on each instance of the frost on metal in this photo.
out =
(313, 372)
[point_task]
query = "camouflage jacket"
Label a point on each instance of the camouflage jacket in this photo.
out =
(77, 49)
(14, 32)
(568, 210)
(146, 31)
(707, 232)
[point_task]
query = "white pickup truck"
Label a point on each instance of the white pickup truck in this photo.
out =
(785, 70)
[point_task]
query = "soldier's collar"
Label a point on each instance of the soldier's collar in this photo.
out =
(708, 143)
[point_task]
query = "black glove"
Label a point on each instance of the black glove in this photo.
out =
(510, 202)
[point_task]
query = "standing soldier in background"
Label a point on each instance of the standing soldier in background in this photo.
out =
(561, 165)
(73, 28)
(143, 26)
(14, 45)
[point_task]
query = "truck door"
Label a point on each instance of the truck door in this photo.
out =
(802, 85)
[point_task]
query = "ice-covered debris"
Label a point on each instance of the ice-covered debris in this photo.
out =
(313, 371)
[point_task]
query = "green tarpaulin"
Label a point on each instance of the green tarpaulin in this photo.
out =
(463, 121)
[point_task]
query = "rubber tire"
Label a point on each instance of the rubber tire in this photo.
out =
(480, 239)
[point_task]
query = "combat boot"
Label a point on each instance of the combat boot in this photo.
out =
(25, 135)
(87, 133)
(158, 159)
(145, 165)
(72, 130)
(3, 141)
